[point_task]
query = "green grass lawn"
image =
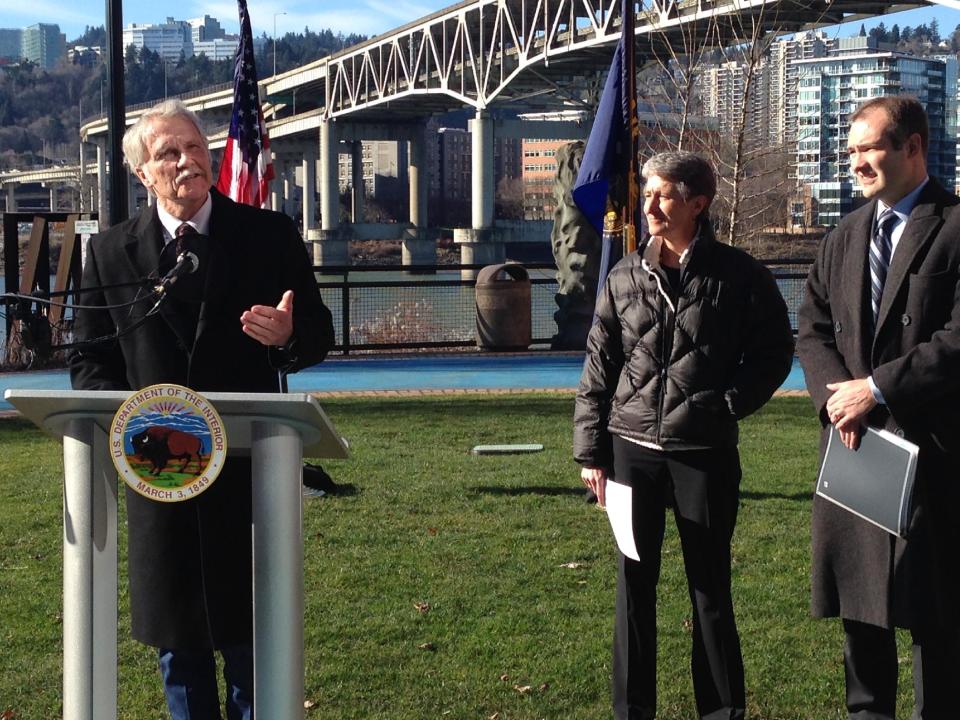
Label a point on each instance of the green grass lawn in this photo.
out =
(446, 585)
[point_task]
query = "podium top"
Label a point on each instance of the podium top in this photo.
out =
(51, 410)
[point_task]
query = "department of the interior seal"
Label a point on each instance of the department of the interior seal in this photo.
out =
(168, 442)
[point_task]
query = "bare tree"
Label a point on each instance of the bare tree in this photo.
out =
(509, 198)
(748, 184)
(752, 165)
(668, 80)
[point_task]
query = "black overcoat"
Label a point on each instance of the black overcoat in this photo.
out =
(190, 562)
(860, 572)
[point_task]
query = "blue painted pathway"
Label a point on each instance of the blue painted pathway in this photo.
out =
(484, 372)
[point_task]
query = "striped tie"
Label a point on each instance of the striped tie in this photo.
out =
(881, 247)
(182, 231)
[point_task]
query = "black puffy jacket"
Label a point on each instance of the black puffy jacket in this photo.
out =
(681, 378)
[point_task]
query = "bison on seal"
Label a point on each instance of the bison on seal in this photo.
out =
(160, 444)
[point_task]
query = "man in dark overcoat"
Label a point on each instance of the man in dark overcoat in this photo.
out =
(879, 341)
(258, 311)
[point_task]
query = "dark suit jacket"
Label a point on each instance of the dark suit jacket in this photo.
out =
(859, 571)
(190, 562)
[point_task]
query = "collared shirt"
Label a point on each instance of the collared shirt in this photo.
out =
(902, 210)
(651, 253)
(200, 221)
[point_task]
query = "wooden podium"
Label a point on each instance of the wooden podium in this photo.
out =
(276, 431)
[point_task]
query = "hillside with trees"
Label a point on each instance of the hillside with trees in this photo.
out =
(41, 110)
(924, 39)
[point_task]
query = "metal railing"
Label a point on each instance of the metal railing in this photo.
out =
(791, 275)
(407, 311)
(424, 307)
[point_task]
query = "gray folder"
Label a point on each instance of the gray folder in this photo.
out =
(874, 482)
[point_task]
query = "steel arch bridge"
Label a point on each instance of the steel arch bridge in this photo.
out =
(537, 53)
(514, 56)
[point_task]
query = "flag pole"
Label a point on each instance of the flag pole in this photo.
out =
(627, 25)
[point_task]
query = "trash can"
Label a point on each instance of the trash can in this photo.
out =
(503, 307)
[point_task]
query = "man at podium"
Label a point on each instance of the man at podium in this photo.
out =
(245, 310)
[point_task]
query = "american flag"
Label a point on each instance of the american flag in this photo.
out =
(246, 169)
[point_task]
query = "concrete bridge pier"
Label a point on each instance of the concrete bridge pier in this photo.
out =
(103, 192)
(52, 190)
(11, 205)
(477, 245)
(288, 199)
(133, 183)
(276, 187)
(309, 169)
(330, 246)
(418, 247)
(357, 186)
(83, 206)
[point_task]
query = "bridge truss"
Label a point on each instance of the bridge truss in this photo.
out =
(538, 54)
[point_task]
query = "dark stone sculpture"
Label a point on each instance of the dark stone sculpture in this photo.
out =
(576, 250)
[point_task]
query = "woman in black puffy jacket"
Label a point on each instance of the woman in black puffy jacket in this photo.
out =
(690, 336)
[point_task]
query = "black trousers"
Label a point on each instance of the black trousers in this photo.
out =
(704, 487)
(870, 664)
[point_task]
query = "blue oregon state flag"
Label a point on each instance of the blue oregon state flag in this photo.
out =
(606, 167)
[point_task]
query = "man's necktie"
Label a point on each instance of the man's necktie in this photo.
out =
(881, 248)
(182, 231)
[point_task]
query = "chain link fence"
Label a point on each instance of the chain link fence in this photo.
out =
(376, 310)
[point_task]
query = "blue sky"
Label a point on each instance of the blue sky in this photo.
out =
(368, 17)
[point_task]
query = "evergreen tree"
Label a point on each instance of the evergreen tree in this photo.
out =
(880, 33)
(92, 37)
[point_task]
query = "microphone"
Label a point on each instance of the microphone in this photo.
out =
(187, 263)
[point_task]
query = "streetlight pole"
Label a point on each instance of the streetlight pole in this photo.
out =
(275, 16)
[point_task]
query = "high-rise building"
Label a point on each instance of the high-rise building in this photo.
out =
(449, 160)
(205, 28)
(540, 177)
(723, 89)
(169, 40)
(208, 38)
(174, 38)
(449, 154)
(830, 89)
(953, 104)
(44, 45)
(11, 44)
(782, 69)
(385, 177)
